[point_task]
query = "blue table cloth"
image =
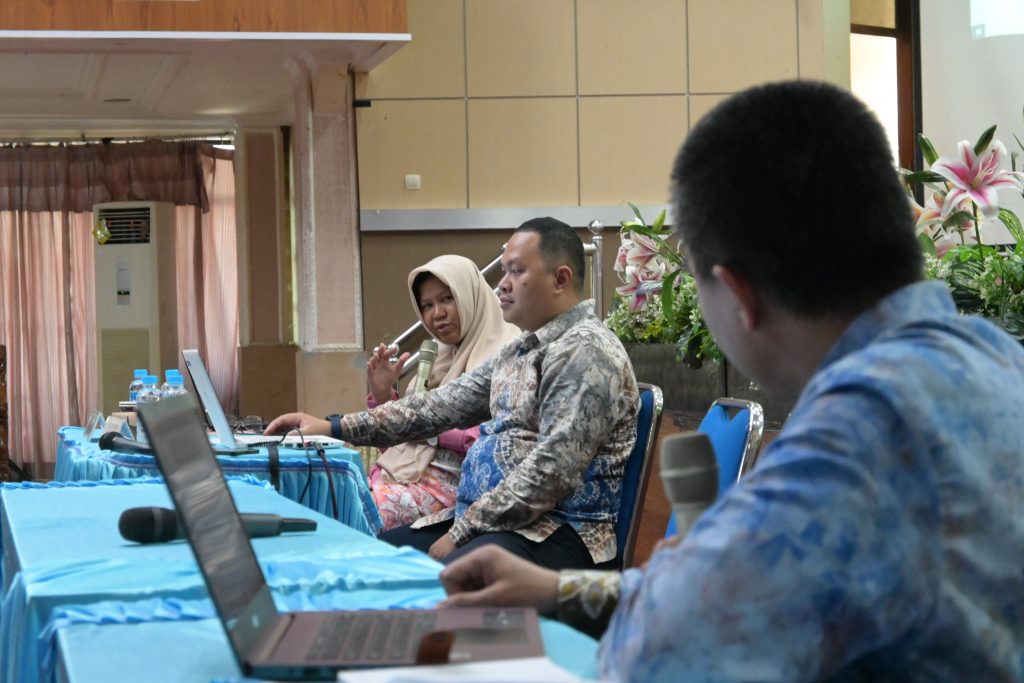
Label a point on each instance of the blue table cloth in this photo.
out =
(301, 479)
(111, 653)
(64, 562)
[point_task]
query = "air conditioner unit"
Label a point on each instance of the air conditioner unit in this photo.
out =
(136, 295)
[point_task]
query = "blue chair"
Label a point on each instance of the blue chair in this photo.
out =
(638, 470)
(735, 427)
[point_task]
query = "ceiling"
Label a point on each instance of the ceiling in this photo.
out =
(73, 84)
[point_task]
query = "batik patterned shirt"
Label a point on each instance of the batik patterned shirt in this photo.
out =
(558, 410)
(881, 535)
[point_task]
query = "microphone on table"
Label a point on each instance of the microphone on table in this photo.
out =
(689, 473)
(112, 441)
(428, 354)
(158, 525)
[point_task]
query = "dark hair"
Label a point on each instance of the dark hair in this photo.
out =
(792, 185)
(559, 245)
(418, 281)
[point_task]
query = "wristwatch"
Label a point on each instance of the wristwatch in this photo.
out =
(335, 420)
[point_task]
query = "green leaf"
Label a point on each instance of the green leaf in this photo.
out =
(927, 149)
(659, 221)
(636, 212)
(1019, 143)
(982, 144)
(1012, 223)
(927, 245)
(924, 177)
(668, 294)
(958, 220)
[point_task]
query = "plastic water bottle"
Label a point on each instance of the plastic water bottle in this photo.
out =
(149, 394)
(175, 386)
(168, 374)
(136, 386)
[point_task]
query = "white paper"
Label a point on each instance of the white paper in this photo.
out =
(524, 670)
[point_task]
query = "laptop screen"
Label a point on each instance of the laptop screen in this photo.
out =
(207, 510)
(208, 397)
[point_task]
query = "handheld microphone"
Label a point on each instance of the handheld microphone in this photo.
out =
(112, 441)
(689, 473)
(428, 354)
(158, 525)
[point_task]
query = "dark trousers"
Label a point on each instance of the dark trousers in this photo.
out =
(563, 549)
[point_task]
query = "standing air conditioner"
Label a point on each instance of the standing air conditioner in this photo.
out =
(136, 295)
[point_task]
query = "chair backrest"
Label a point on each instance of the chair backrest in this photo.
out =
(638, 470)
(735, 427)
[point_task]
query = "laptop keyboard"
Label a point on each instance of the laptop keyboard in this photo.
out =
(371, 636)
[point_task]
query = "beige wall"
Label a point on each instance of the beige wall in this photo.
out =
(568, 102)
(545, 104)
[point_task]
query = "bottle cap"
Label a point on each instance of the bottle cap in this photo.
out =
(140, 372)
(150, 379)
(176, 380)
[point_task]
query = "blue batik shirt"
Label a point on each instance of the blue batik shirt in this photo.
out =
(879, 538)
(558, 409)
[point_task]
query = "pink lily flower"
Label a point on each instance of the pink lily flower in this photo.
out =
(976, 178)
(644, 249)
(623, 255)
(927, 215)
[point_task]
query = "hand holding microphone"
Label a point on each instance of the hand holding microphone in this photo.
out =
(159, 525)
(689, 473)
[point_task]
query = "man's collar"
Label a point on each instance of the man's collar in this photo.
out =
(556, 327)
(918, 301)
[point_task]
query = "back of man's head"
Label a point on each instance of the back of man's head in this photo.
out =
(792, 185)
(559, 245)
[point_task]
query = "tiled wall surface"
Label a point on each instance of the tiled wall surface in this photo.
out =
(505, 103)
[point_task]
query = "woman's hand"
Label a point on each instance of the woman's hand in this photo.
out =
(381, 373)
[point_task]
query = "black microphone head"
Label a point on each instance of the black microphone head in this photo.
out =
(107, 441)
(428, 351)
(148, 525)
(689, 469)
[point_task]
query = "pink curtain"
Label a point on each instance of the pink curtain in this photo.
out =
(207, 265)
(47, 291)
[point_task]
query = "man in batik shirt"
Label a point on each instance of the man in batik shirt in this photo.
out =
(880, 536)
(558, 409)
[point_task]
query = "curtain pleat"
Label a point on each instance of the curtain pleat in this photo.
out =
(47, 284)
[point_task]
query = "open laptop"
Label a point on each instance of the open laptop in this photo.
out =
(228, 441)
(301, 645)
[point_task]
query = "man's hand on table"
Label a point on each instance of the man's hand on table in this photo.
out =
(307, 424)
(493, 576)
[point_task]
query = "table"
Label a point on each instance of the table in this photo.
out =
(79, 459)
(89, 653)
(76, 595)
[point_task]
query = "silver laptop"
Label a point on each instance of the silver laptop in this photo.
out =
(228, 441)
(303, 645)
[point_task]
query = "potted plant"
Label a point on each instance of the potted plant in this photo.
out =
(960, 194)
(655, 314)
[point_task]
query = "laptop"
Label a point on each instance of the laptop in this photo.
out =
(302, 645)
(228, 441)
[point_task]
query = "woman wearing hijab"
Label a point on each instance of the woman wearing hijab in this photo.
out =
(461, 312)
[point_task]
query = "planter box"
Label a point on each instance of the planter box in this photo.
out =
(690, 390)
(683, 387)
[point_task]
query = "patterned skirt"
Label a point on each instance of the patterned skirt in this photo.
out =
(401, 504)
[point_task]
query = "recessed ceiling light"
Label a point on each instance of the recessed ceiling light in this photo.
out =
(117, 99)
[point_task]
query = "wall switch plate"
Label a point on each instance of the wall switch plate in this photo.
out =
(412, 181)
